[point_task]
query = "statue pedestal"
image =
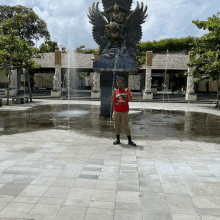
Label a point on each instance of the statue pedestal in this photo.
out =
(12, 92)
(55, 93)
(96, 95)
(147, 95)
(190, 97)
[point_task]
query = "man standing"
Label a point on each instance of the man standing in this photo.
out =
(207, 88)
(32, 83)
(120, 98)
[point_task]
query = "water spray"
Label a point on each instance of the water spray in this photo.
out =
(116, 59)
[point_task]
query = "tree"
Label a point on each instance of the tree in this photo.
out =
(51, 46)
(48, 46)
(33, 26)
(207, 48)
(10, 44)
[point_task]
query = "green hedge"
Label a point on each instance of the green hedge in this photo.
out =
(172, 44)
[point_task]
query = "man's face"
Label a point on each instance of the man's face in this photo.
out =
(120, 84)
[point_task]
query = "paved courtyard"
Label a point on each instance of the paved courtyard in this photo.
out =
(66, 175)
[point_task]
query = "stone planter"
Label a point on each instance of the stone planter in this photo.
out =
(180, 92)
(154, 90)
(12, 92)
(55, 93)
(96, 95)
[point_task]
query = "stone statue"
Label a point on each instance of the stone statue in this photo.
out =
(121, 29)
(56, 81)
(190, 84)
(96, 82)
(87, 81)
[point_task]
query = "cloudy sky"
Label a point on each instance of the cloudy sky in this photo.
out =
(69, 25)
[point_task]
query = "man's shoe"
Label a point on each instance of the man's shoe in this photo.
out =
(132, 143)
(116, 142)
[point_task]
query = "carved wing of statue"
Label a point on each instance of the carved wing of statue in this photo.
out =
(133, 23)
(97, 19)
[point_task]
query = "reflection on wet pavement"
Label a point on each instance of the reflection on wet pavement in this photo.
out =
(146, 124)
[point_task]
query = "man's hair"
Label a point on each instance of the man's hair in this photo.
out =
(120, 79)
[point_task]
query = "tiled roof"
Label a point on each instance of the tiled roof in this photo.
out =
(175, 61)
(46, 60)
(83, 61)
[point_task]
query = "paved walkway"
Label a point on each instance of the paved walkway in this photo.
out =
(63, 175)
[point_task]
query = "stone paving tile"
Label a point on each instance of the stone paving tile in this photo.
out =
(206, 202)
(64, 181)
(51, 201)
(32, 190)
(85, 183)
(131, 215)
(70, 212)
(13, 188)
(16, 210)
(197, 190)
(108, 176)
(26, 199)
(43, 180)
(80, 193)
(122, 186)
(99, 214)
(128, 197)
(154, 202)
(102, 205)
(77, 203)
(128, 206)
(106, 184)
(174, 188)
(179, 200)
(3, 205)
(104, 195)
(157, 216)
(111, 169)
(56, 192)
(185, 217)
(213, 188)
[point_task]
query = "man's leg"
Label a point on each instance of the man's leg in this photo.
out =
(125, 124)
(117, 127)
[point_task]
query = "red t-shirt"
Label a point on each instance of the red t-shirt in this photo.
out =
(121, 100)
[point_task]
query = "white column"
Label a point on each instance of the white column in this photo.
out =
(57, 92)
(96, 86)
(13, 82)
(190, 92)
(58, 70)
(13, 79)
(148, 80)
(147, 93)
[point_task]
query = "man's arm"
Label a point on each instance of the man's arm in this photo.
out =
(129, 97)
(113, 98)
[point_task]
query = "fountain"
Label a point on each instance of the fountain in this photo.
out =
(117, 30)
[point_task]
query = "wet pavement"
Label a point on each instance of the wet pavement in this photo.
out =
(58, 162)
(145, 124)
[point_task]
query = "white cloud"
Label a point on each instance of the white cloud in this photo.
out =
(42, 14)
(68, 23)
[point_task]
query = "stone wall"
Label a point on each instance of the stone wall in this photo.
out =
(43, 80)
(212, 86)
